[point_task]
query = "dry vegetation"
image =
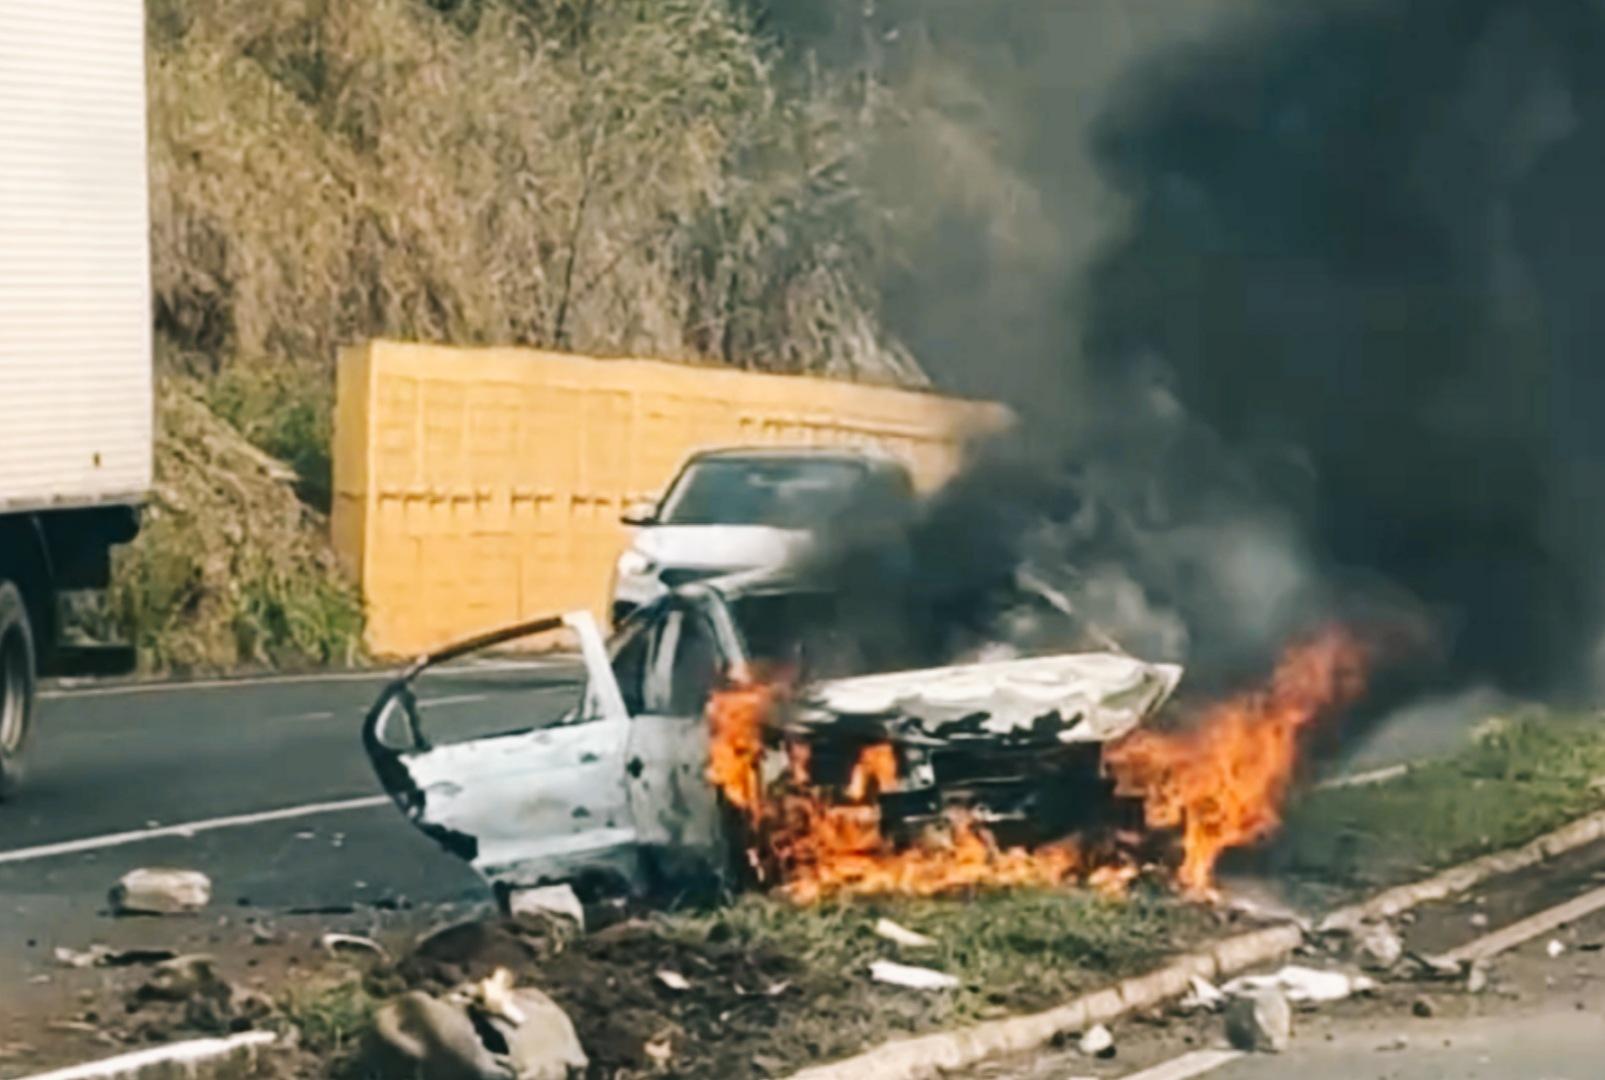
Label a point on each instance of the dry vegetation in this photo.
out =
(608, 176)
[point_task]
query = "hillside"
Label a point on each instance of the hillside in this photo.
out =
(609, 176)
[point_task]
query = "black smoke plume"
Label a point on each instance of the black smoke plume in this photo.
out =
(1346, 351)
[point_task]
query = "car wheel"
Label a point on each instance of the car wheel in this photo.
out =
(16, 685)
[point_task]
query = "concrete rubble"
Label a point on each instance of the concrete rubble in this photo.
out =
(1259, 1020)
(150, 891)
(1377, 947)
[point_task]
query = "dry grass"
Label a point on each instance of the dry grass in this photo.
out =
(612, 176)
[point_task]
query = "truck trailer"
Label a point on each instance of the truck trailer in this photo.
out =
(75, 326)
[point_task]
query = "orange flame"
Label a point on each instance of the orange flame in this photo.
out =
(1224, 782)
(814, 847)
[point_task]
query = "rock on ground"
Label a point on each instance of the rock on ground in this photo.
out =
(543, 1045)
(417, 1036)
(1259, 1021)
(161, 892)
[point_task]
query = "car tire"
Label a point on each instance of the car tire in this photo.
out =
(16, 685)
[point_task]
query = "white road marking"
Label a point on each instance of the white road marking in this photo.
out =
(1188, 1066)
(1491, 945)
(70, 690)
(188, 829)
(183, 1058)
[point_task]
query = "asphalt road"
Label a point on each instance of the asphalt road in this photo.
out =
(113, 761)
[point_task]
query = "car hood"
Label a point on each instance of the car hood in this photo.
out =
(721, 547)
(1080, 697)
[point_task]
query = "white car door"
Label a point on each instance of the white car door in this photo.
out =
(543, 804)
(677, 812)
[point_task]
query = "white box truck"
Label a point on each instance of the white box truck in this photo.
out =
(75, 323)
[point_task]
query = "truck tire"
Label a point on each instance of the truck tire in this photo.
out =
(16, 685)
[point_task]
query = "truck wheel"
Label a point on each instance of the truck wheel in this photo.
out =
(16, 684)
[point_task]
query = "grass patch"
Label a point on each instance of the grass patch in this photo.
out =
(331, 1019)
(1522, 776)
(1012, 949)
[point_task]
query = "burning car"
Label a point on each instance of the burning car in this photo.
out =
(652, 775)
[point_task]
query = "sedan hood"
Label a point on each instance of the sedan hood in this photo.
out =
(721, 547)
(1081, 697)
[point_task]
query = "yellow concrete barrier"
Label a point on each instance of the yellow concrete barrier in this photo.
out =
(476, 487)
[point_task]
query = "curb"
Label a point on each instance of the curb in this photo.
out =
(925, 1055)
(232, 1058)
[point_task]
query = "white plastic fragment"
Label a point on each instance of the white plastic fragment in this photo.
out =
(913, 978)
(334, 944)
(1097, 1041)
(1303, 984)
(1555, 948)
(902, 935)
(673, 980)
(548, 900)
(1203, 995)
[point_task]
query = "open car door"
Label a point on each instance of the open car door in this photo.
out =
(543, 802)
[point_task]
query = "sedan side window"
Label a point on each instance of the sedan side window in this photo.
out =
(698, 667)
(629, 668)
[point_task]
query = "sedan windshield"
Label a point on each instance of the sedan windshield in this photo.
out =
(778, 493)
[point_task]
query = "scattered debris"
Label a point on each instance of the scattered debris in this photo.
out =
(1423, 1007)
(902, 935)
(335, 944)
(1303, 985)
(1479, 920)
(1259, 1020)
(160, 892)
(1555, 948)
(1477, 978)
(208, 1002)
(673, 980)
(914, 978)
(548, 900)
(105, 956)
(1203, 995)
(1377, 947)
(264, 934)
(1398, 1042)
(1435, 967)
(1097, 1042)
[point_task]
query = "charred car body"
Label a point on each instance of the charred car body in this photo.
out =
(612, 795)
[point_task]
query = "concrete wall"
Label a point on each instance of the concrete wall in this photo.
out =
(476, 487)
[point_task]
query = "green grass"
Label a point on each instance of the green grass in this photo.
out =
(1521, 777)
(1011, 949)
(330, 1018)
